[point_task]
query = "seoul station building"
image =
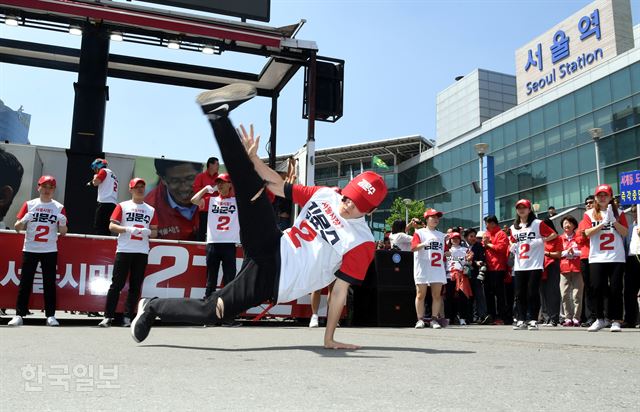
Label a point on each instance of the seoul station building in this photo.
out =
(578, 80)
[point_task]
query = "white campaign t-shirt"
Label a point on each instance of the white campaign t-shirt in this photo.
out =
(108, 188)
(320, 243)
(130, 214)
(607, 245)
(42, 230)
(223, 225)
(429, 264)
(457, 259)
(529, 253)
(401, 240)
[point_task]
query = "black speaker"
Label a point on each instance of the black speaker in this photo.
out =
(394, 269)
(329, 91)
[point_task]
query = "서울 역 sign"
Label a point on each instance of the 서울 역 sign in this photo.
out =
(591, 36)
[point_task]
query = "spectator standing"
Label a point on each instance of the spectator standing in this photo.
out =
(458, 262)
(42, 218)
(550, 280)
(606, 230)
(571, 283)
(477, 287)
(107, 183)
(588, 307)
(632, 275)
(399, 238)
(496, 246)
(135, 222)
(206, 178)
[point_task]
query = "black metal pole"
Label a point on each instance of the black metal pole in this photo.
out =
(274, 127)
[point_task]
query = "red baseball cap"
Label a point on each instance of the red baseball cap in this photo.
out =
(454, 235)
(367, 191)
(133, 182)
(523, 202)
(604, 188)
(224, 177)
(432, 212)
(47, 179)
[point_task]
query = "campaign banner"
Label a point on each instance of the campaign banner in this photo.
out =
(630, 188)
(85, 268)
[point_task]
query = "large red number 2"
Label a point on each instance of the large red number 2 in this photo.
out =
(605, 241)
(223, 223)
(436, 259)
(308, 234)
(133, 237)
(524, 248)
(41, 233)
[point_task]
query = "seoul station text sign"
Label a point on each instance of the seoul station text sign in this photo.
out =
(595, 34)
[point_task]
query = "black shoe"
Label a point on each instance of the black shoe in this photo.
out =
(141, 324)
(231, 324)
(223, 100)
(587, 323)
(488, 320)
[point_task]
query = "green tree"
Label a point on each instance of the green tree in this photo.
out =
(416, 209)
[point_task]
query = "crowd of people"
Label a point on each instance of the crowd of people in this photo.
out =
(530, 274)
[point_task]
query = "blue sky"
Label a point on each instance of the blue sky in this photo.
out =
(399, 54)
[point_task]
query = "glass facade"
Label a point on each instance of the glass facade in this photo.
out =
(546, 155)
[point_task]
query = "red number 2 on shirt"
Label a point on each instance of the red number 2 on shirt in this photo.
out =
(223, 223)
(305, 232)
(436, 259)
(41, 233)
(605, 241)
(524, 248)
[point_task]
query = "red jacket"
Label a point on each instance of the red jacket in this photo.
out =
(496, 255)
(571, 265)
(171, 224)
(583, 240)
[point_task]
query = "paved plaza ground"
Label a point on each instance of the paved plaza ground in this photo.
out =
(82, 367)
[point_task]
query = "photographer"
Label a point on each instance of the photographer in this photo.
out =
(477, 277)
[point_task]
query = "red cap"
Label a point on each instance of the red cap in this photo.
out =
(432, 212)
(47, 179)
(604, 188)
(133, 182)
(454, 235)
(367, 191)
(523, 202)
(224, 177)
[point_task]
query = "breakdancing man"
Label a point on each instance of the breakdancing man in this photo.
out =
(330, 239)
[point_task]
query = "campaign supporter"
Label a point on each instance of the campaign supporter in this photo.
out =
(429, 268)
(223, 230)
(477, 287)
(458, 268)
(550, 279)
(496, 245)
(588, 306)
(528, 235)
(399, 238)
(42, 218)
(203, 179)
(329, 241)
(632, 275)
(606, 229)
(135, 222)
(571, 283)
(107, 183)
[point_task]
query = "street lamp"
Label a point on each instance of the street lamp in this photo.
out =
(481, 150)
(596, 134)
(406, 202)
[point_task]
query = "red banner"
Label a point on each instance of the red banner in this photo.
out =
(85, 265)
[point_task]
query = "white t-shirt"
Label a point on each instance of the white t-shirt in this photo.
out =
(131, 214)
(42, 230)
(457, 259)
(320, 243)
(429, 264)
(607, 245)
(223, 225)
(401, 240)
(529, 253)
(634, 246)
(108, 187)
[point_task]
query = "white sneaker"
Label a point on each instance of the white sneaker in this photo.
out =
(520, 325)
(420, 324)
(313, 322)
(533, 325)
(106, 323)
(435, 324)
(126, 322)
(16, 321)
(52, 321)
(597, 325)
(463, 322)
(615, 327)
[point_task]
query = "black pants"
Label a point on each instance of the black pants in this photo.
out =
(606, 282)
(203, 217)
(30, 260)
(550, 293)
(494, 294)
(631, 287)
(125, 264)
(220, 253)
(588, 306)
(527, 287)
(257, 280)
(103, 218)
